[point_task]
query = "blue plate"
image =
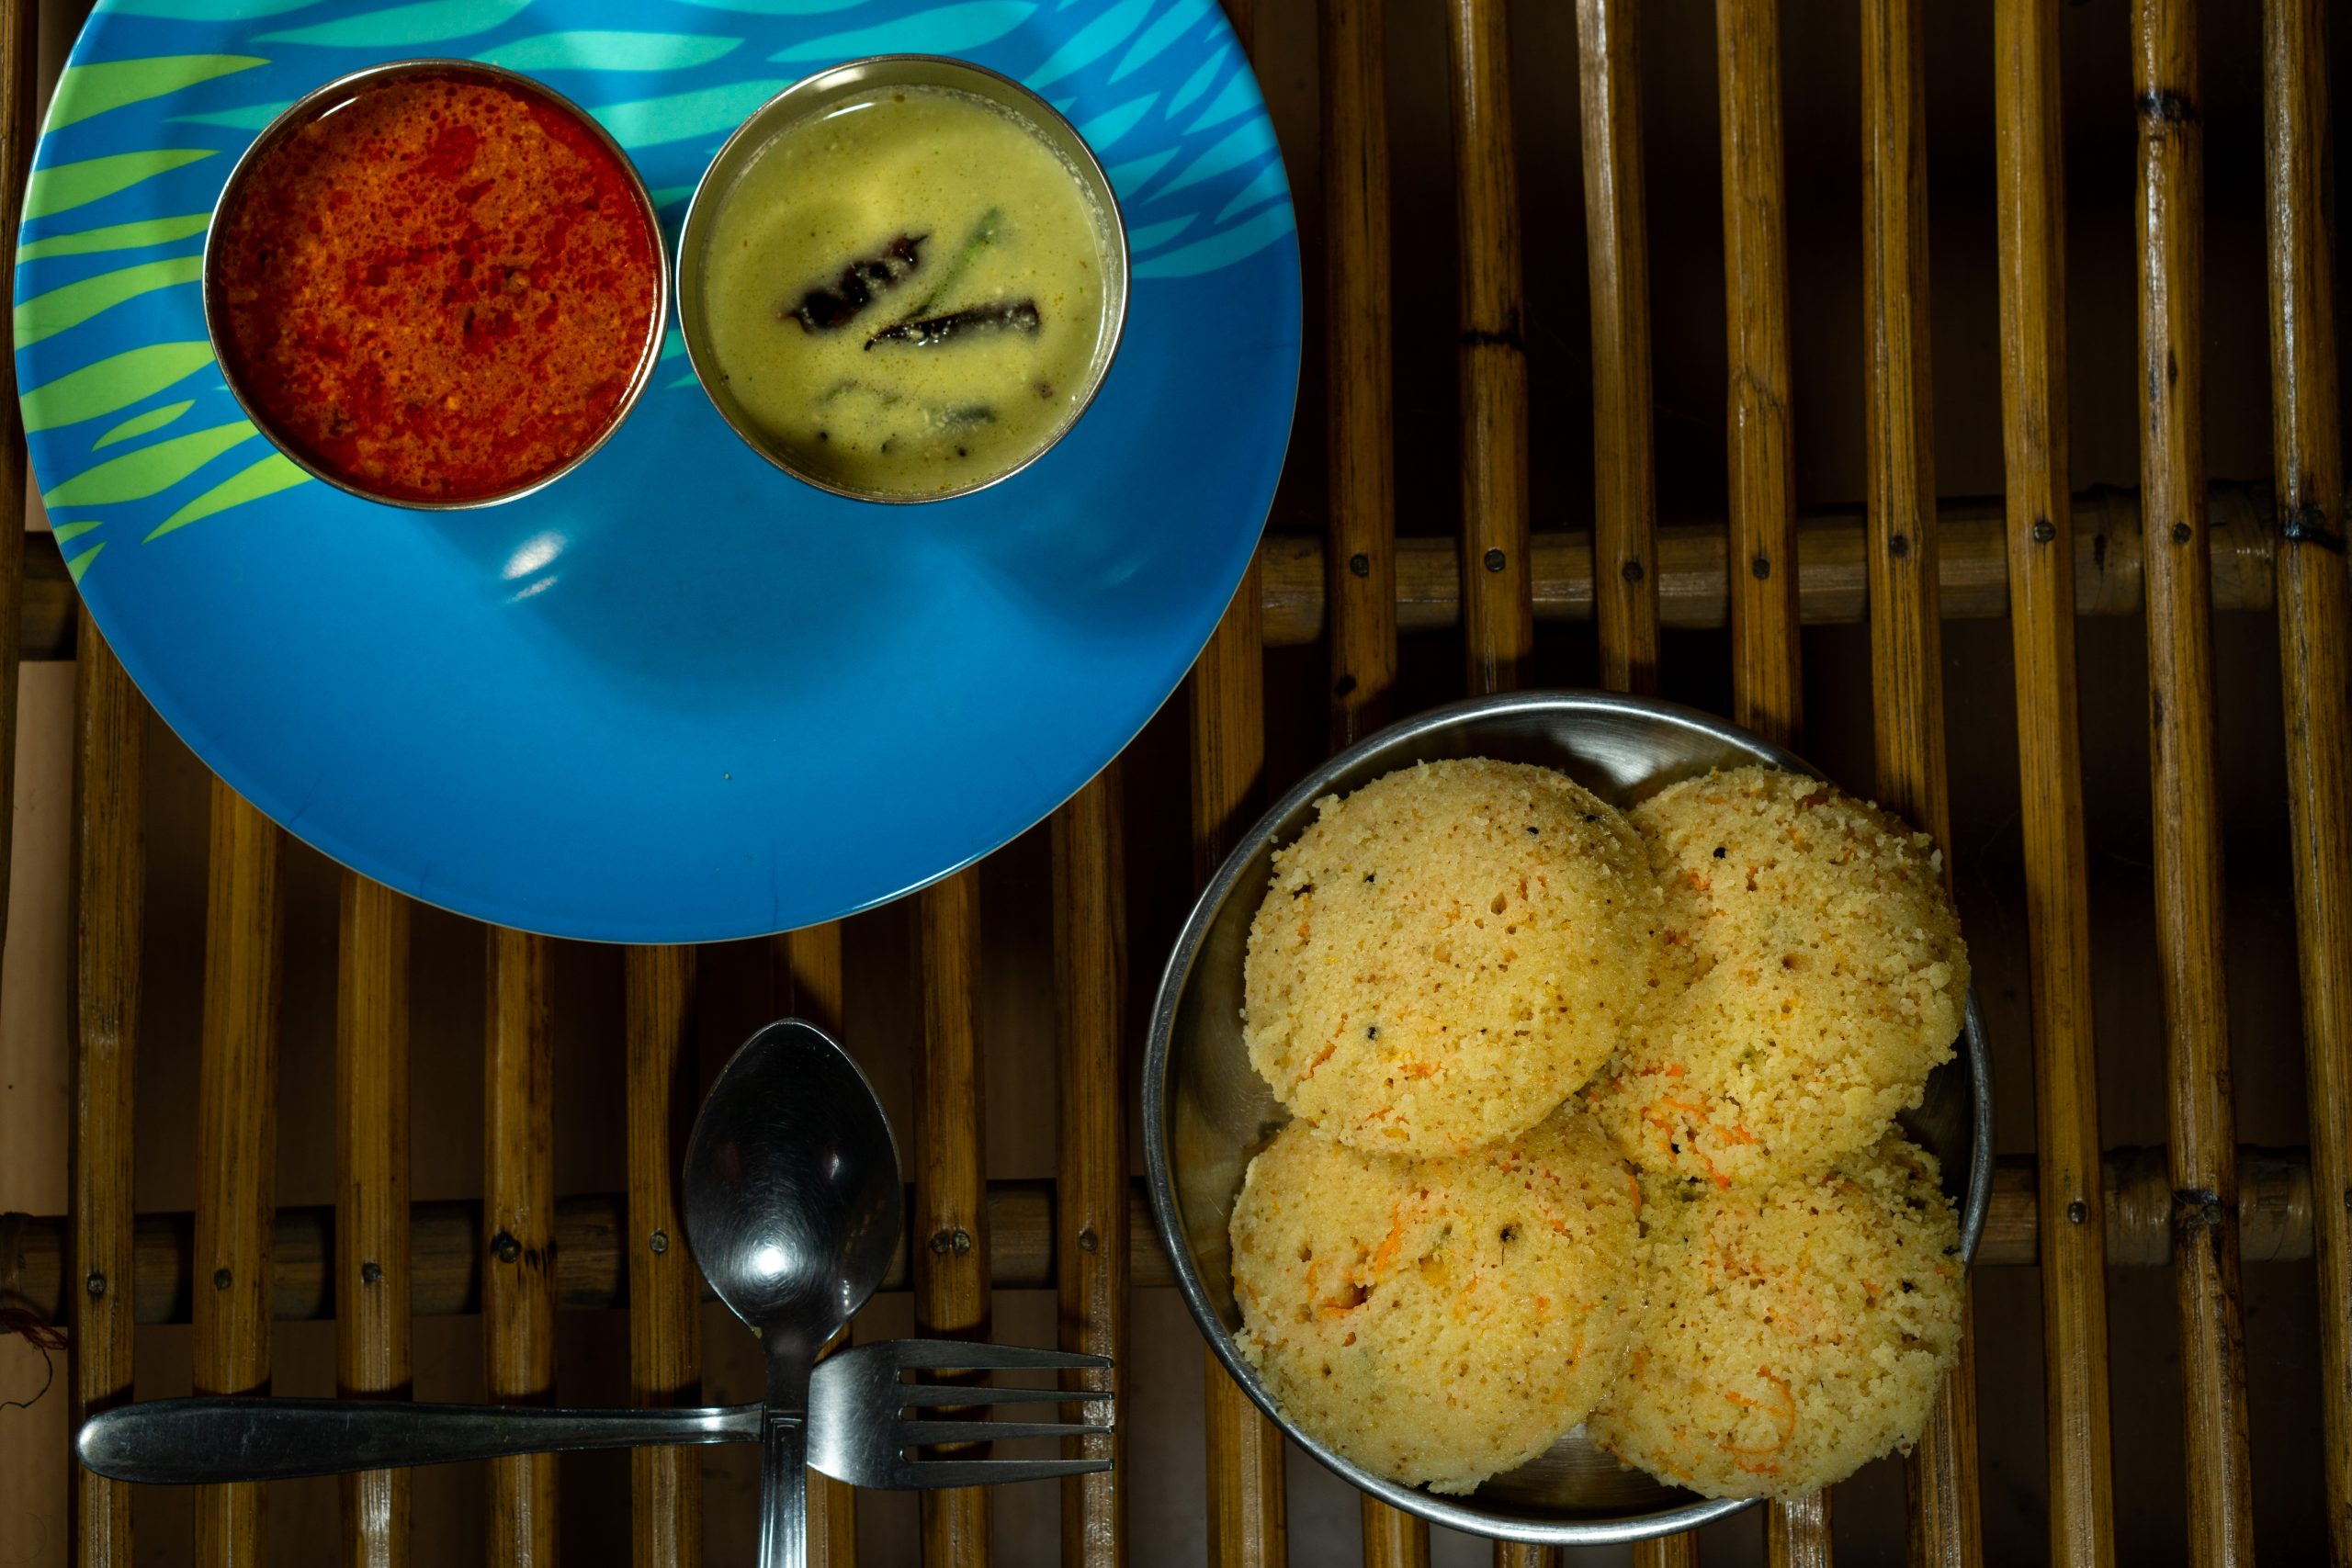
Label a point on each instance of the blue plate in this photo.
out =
(677, 696)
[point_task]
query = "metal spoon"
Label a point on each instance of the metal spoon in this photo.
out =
(793, 1209)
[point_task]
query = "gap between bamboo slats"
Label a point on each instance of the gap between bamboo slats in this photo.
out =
(2316, 668)
(1360, 559)
(1760, 542)
(1090, 1212)
(950, 1236)
(2183, 784)
(2275, 1209)
(519, 1272)
(109, 897)
(372, 1346)
(1625, 574)
(1907, 631)
(2030, 196)
(236, 1147)
(1617, 254)
(809, 986)
(664, 1287)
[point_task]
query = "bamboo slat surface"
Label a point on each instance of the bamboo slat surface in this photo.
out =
(664, 1287)
(1090, 1214)
(1499, 618)
(2189, 892)
(236, 1147)
(811, 985)
(2042, 560)
(372, 1339)
(1906, 634)
(950, 1234)
(2316, 668)
(20, 71)
(1617, 246)
(519, 1209)
(108, 904)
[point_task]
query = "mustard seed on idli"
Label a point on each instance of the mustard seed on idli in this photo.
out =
(1792, 1333)
(1447, 953)
(1814, 975)
(1438, 1321)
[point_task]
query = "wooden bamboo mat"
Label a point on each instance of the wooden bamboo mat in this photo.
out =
(1948, 392)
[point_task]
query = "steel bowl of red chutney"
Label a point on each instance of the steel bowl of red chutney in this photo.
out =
(435, 283)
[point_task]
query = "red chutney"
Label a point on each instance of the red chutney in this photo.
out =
(439, 291)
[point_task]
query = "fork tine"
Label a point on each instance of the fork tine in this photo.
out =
(924, 1475)
(958, 1355)
(916, 1395)
(923, 1434)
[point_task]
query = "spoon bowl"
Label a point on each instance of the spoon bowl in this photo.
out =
(793, 1207)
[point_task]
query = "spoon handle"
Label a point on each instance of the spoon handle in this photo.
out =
(784, 1492)
(178, 1441)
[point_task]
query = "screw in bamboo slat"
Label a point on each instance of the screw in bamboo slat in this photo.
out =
(2189, 890)
(371, 1223)
(1360, 570)
(1090, 1195)
(2031, 195)
(236, 1147)
(1498, 618)
(1907, 631)
(951, 1238)
(1760, 544)
(518, 1209)
(1617, 247)
(1360, 566)
(2316, 668)
(664, 1287)
(1762, 574)
(809, 986)
(19, 68)
(1245, 1503)
(110, 895)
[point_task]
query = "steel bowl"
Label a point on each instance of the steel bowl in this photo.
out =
(323, 100)
(1206, 1111)
(812, 96)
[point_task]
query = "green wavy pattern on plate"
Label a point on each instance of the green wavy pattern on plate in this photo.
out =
(86, 90)
(116, 237)
(112, 383)
(142, 425)
(150, 470)
(592, 51)
(946, 30)
(79, 564)
(398, 27)
(45, 315)
(272, 474)
(61, 532)
(62, 187)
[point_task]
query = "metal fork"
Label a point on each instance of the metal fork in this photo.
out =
(858, 1428)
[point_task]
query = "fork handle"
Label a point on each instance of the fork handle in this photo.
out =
(178, 1441)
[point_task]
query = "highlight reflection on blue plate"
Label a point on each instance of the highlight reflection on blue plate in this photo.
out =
(676, 696)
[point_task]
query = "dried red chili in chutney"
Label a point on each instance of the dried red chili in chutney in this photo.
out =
(441, 290)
